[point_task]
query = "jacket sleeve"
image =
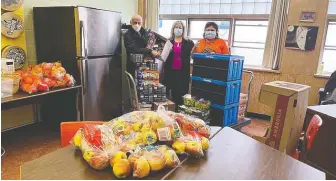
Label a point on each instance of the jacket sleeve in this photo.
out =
(132, 47)
(331, 83)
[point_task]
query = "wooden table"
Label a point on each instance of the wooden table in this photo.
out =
(68, 164)
(233, 155)
(322, 155)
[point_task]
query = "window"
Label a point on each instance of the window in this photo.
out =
(329, 52)
(242, 23)
(330, 49)
(166, 25)
(249, 41)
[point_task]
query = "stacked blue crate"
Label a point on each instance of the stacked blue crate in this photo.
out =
(218, 78)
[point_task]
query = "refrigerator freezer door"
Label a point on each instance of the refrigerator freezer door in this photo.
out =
(101, 31)
(102, 96)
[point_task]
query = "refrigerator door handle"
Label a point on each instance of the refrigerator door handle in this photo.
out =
(83, 41)
(84, 75)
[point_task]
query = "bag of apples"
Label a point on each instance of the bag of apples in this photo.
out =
(151, 158)
(168, 129)
(98, 145)
(188, 123)
(192, 144)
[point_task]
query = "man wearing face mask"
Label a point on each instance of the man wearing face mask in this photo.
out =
(177, 66)
(135, 40)
(211, 43)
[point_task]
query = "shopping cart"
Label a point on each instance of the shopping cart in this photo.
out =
(245, 120)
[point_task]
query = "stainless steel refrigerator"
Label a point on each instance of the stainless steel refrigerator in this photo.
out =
(88, 43)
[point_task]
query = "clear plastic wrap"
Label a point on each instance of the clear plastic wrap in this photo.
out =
(152, 158)
(97, 143)
(188, 123)
(190, 144)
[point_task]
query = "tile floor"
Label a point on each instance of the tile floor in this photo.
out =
(25, 144)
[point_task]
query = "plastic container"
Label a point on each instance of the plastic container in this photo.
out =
(224, 115)
(218, 66)
(10, 83)
(217, 92)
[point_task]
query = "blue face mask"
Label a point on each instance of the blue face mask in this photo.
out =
(210, 34)
(178, 31)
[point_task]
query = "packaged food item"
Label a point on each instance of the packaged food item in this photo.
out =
(202, 104)
(147, 74)
(10, 83)
(159, 98)
(145, 90)
(159, 90)
(189, 100)
(142, 82)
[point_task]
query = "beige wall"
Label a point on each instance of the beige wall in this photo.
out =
(296, 66)
(126, 7)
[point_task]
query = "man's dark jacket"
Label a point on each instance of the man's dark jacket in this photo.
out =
(135, 43)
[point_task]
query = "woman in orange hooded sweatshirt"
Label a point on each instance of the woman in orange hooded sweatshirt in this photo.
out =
(211, 43)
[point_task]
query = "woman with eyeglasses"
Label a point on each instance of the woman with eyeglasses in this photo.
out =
(177, 65)
(211, 43)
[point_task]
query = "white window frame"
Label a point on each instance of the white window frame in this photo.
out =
(211, 17)
(330, 18)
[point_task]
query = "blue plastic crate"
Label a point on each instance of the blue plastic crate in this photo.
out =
(224, 115)
(218, 92)
(218, 66)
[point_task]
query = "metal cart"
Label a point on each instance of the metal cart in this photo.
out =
(133, 94)
(248, 89)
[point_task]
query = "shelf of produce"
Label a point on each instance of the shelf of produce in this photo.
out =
(68, 164)
(22, 98)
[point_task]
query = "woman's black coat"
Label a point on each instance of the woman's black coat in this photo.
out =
(179, 81)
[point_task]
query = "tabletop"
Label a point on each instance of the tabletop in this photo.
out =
(68, 164)
(328, 110)
(241, 157)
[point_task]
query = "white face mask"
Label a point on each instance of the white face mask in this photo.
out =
(178, 31)
(136, 27)
(210, 34)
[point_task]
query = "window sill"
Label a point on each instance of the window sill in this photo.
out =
(322, 76)
(261, 69)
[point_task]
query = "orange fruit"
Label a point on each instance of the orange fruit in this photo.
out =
(28, 80)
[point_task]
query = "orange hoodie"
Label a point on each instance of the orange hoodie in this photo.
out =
(218, 46)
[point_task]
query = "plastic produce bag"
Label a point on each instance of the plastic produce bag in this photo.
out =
(188, 123)
(171, 129)
(190, 144)
(152, 158)
(97, 143)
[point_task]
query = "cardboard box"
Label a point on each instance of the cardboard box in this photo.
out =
(169, 105)
(289, 102)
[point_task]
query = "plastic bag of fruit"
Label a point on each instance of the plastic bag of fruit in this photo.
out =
(169, 130)
(188, 123)
(152, 158)
(191, 144)
(97, 143)
(134, 129)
